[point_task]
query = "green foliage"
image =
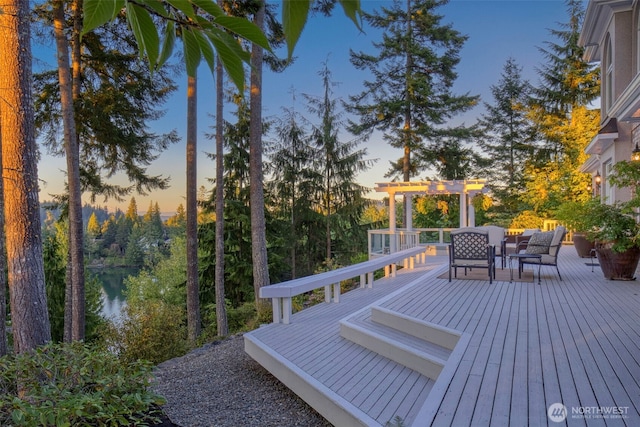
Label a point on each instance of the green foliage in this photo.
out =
(202, 26)
(55, 262)
(152, 326)
(165, 282)
(75, 384)
(239, 319)
(627, 174)
(564, 122)
(507, 137)
(148, 330)
(572, 214)
(55, 281)
(415, 40)
(616, 224)
(612, 224)
(526, 219)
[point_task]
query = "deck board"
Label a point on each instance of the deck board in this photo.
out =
(575, 341)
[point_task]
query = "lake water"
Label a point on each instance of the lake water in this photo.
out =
(112, 280)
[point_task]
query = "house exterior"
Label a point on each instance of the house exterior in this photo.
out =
(611, 36)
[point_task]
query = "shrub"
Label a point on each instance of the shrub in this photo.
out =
(75, 384)
(527, 219)
(148, 330)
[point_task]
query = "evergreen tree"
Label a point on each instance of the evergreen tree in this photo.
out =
(132, 211)
(507, 136)
(25, 267)
(410, 97)
(93, 226)
(565, 125)
(54, 246)
(136, 247)
(294, 184)
(176, 224)
(108, 231)
(338, 162)
(91, 236)
(116, 97)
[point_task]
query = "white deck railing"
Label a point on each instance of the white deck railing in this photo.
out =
(384, 241)
(282, 293)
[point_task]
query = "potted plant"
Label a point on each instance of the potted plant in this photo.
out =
(615, 228)
(571, 215)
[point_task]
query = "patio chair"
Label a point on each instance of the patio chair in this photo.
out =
(470, 249)
(513, 241)
(498, 240)
(548, 245)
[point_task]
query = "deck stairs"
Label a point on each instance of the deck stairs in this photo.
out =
(421, 346)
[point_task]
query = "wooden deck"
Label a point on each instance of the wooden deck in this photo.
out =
(522, 347)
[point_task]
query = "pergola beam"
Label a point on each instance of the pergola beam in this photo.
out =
(465, 188)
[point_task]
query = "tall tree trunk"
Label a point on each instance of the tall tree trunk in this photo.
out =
(406, 163)
(221, 310)
(4, 348)
(258, 227)
(25, 264)
(193, 303)
(327, 201)
(72, 152)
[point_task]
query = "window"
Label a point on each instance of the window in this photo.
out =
(608, 188)
(608, 79)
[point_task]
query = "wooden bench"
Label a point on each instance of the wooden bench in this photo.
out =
(281, 293)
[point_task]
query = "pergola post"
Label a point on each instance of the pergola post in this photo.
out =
(408, 212)
(463, 210)
(392, 212)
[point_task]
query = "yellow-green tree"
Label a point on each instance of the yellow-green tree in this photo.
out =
(93, 226)
(559, 179)
(564, 122)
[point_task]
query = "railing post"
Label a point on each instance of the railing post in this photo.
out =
(286, 310)
(275, 303)
(336, 292)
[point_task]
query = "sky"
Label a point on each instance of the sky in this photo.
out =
(496, 30)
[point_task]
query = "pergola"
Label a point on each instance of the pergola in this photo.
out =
(465, 188)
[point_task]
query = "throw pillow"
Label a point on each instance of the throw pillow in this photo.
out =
(539, 243)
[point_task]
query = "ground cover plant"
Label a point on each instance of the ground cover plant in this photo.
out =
(75, 384)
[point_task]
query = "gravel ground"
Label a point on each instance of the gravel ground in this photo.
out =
(220, 385)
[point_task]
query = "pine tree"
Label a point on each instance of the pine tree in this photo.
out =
(294, 184)
(116, 98)
(507, 136)
(338, 162)
(410, 97)
(25, 267)
(132, 211)
(93, 226)
(565, 124)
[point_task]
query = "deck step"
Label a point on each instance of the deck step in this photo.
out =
(418, 345)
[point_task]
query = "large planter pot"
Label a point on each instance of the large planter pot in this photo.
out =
(617, 265)
(583, 245)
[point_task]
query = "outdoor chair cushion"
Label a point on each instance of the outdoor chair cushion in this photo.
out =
(539, 243)
(496, 236)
